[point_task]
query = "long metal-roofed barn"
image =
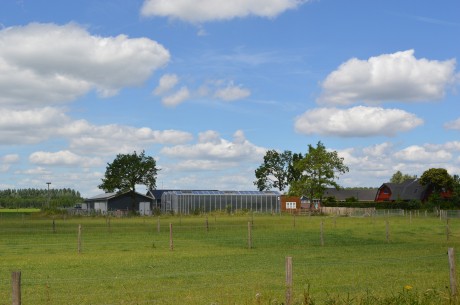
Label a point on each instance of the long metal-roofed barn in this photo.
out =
(191, 201)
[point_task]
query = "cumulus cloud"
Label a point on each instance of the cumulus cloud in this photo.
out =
(166, 83)
(6, 162)
(38, 125)
(359, 121)
(63, 157)
(390, 77)
(57, 63)
(211, 10)
(209, 147)
(417, 153)
(231, 93)
(453, 124)
(176, 98)
(30, 126)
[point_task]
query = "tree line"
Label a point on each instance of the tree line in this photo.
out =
(39, 198)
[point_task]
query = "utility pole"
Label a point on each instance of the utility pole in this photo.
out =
(48, 204)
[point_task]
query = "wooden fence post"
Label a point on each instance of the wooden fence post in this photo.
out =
(288, 280)
(16, 287)
(207, 224)
(249, 235)
(171, 243)
(447, 229)
(79, 239)
(322, 238)
(387, 230)
(453, 273)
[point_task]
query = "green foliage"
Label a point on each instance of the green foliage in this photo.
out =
(39, 198)
(438, 179)
(320, 168)
(277, 170)
(399, 177)
(127, 170)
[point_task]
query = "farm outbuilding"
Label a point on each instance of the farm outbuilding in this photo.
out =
(192, 201)
(290, 204)
(111, 202)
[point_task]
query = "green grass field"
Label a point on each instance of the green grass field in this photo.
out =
(127, 261)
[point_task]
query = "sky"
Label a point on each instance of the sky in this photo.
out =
(206, 87)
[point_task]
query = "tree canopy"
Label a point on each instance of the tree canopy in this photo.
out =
(129, 170)
(399, 177)
(438, 179)
(319, 169)
(308, 175)
(277, 170)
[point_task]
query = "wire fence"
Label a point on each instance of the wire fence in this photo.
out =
(216, 259)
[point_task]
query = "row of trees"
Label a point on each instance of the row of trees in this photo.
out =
(308, 174)
(38, 198)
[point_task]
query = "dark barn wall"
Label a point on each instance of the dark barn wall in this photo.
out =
(125, 202)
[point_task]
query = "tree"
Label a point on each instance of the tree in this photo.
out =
(319, 169)
(129, 170)
(399, 177)
(437, 179)
(277, 170)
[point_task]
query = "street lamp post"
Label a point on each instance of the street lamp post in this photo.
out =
(48, 204)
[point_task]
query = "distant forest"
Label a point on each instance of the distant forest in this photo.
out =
(39, 198)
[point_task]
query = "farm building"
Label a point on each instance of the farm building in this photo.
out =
(290, 204)
(110, 202)
(408, 190)
(191, 201)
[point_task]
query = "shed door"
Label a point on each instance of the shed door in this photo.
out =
(144, 208)
(100, 207)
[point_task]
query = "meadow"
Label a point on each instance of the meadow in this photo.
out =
(130, 260)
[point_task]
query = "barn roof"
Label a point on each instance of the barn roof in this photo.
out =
(408, 190)
(108, 196)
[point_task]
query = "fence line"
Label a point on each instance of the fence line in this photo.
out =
(214, 238)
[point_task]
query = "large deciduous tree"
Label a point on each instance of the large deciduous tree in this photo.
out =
(437, 179)
(277, 170)
(319, 169)
(129, 170)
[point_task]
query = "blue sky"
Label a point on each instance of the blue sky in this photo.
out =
(206, 87)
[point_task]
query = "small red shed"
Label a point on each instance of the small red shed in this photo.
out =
(290, 204)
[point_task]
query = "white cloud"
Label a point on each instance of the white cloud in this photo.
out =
(63, 157)
(389, 77)
(358, 121)
(453, 124)
(55, 64)
(210, 10)
(38, 125)
(6, 162)
(211, 148)
(166, 83)
(232, 93)
(30, 126)
(111, 139)
(176, 98)
(417, 153)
